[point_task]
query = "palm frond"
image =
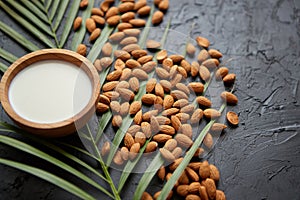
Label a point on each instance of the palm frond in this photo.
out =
(34, 9)
(3, 67)
(48, 177)
(60, 13)
(38, 4)
(47, 5)
(54, 9)
(7, 56)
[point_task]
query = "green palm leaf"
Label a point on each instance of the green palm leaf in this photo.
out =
(34, 9)
(54, 9)
(7, 56)
(38, 4)
(32, 29)
(3, 67)
(47, 5)
(60, 13)
(48, 177)
(18, 37)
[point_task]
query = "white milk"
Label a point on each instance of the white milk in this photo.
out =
(50, 91)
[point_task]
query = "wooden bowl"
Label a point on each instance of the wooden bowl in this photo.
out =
(60, 128)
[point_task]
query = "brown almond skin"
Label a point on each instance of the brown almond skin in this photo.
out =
(145, 59)
(127, 16)
(126, 94)
(183, 140)
(155, 126)
(152, 44)
(177, 94)
(140, 138)
(211, 63)
(124, 153)
(146, 196)
(126, 7)
(113, 20)
(117, 121)
(136, 54)
(199, 152)
(135, 107)
(124, 25)
(116, 37)
(159, 90)
(131, 63)
(162, 73)
(137, 22)
(176, 123)
(105, 62)
(220, 195)
(204, 73)
(118, 158)
(148, 99)
(161, 55)
(214, 173)
(195, 165)
(132, 32)
(124, 108)
(149, 66)
(168, 102)
(113, 76)
(184, 117)
(161, 138)
(187, 109)
(123, 55)
(131, 47)
(112, 11)
(203, 193)
(177, 152)
(163, 5)
(187, 130)
(208, 140)
(90, 24)
(177, 58)
(184, 179)
(211, 113)
(196, 116)
(170, 111)
(229, 79)
(157, 17)
(105, 149)
(97, 11)
(128, 140)
(202, 42)
(194, 68)
(170, 144)
(95, 34)
(133, 129)
(109, 86)
(180, 103)
(202, 56)
(232, 118)
(151, 147)
(194, 188)
(210, 188)
(175, 164)
(81, 49)
(186, 65)
(221, 73)
(146, 128)
(192, 197)
(104, 99)
(203, 101)
(128, 40)
(134, 84)
(84, 3)
(166, 85)
(182, 190)
(204, 170)
(104, 6)
(77, 23)
(161, 173)
(139, 4)
(140, 74)
(215, 53)
(218, 127)
(150, 85)
(192, 174)
(147, 115)
(144, 11)
(134, 150)
(107, 49)
(229, 98)
(167, 155)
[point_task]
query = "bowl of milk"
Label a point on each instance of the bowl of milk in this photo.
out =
(47, 91)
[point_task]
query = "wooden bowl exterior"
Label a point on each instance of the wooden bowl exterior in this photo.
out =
(57, 129)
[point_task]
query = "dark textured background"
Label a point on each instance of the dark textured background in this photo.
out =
(260, 159)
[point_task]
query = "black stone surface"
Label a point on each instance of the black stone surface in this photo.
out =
(260, 159)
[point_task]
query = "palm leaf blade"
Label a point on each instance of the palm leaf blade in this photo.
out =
(48, 177)
(60, 13)
(3, 67)
(48, 4)
(36, 10)
(38, 4)
(7, 56)
(54, 9)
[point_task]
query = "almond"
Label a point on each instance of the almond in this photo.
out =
(194, 165)
(151, 146)
(202, 56)
(124, 153)
(187, 109)
(112, 11)
(182, 190)
(97, 65)
(95, 34)
(176, 163)
(145, 59)
(137, 22)
(187, 130)
(208, 141)
(101, 108)
(105, 62)
(197, 87)
(195, 68)
(194, 187)
(170, 144)
(134, 150)
(149, 66)
(144, 11)
(117, 121)
(146, 128)
(147, 115)
(229, 79)
(125, 7)
(199, 152)
(148, 99)
(140, 74)
(106, 49)
(166, 85)
(177, 94)
(204, 73)
(112, 95)
(152, 44)
(126, 94)
(177, 152)
(84, 3)
(129, 40)
(175, 122)
(155, 126)
(159, 91)
(135, 107)
(128, 140)
(156, 2)
(157, 17)
(131, 63)
(220, 195)
(116, 37)
(81, 49)
(138, 117)
(215, 53)
(77, 23)
(168, 102)
(124, 108)
(186, 65)
(131, 47)
(180, 103)
(136, 54)
(163, 5)
(97, 11)
(105, 149)
(190, 49)
(183, 179)
(182, 87)
(218, 127)
(127, 16)
(139, 4)
(123, 55)
(90, 24)
(191, 174)
(211, 63)
(166, 129)
(214, 173)
(203, 101)
(173, 71)
(113, 20)
(170, 111)
(192, 197)
(150, 85)
(122, 84)
(104, 6)
(114, 75)
(104, 99)
(161, 55)
(196, 116)
(115, 106)
(211, 113)
(134, 84)
(140, 138)
(232, 118)
(118, 158)
(204, 170)
(210, 188)
(221, 73)
(132, 32)
(162, 73)
(161, 173)
(98, 20)
(177, 58)
(133, 129)
(176, 79)
(182, 71)
(202, 42)
(126, 73)
(183, 117)
(167, 64)
(167, 155)
(203, 193)
(123, 26)
(183, 140)
(162, 138)
(229, 98)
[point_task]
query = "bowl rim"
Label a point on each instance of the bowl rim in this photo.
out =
(50, 54)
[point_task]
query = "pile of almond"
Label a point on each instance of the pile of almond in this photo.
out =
(123, 16)
(197, 182)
